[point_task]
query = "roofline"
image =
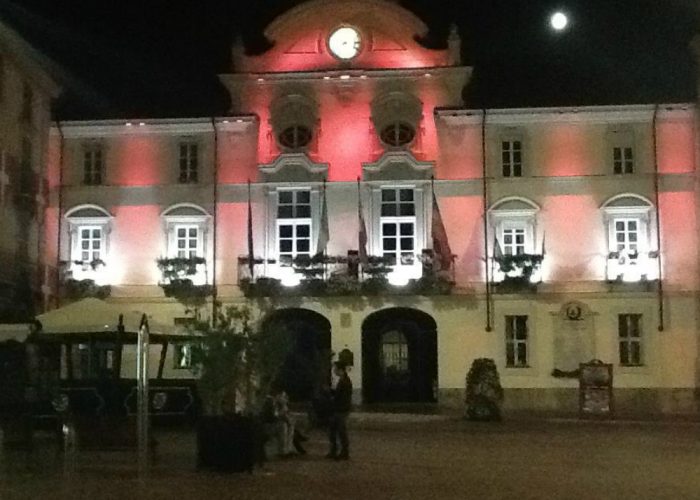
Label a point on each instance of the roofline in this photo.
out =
(598, 113)
(31, 59)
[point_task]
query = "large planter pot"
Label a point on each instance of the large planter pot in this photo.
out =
(226, 443)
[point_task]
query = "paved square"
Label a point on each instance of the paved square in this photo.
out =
(440, 460)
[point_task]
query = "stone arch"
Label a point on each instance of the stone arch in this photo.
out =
(399, 356)
(307, 366)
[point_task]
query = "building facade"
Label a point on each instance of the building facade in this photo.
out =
(351, 198)
(26, 92)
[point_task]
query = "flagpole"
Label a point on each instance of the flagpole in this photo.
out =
(324, 204)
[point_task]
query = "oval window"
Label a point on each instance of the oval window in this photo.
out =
(295, 137)
(397, 134)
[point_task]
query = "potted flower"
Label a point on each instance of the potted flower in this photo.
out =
(484, 392)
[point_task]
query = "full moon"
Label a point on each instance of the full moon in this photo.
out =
(558, 21)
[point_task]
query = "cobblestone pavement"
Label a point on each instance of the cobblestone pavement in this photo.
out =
(429, 460)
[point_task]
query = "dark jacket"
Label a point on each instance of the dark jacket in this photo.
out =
(342, 395)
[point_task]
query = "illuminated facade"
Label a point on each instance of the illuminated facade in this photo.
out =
(573, 229)
(26, 92)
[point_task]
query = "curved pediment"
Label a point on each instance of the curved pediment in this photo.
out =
(293, 167)
(388, 38)
(397, 166)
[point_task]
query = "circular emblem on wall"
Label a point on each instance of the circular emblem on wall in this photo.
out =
(573, 312)
(344, 43)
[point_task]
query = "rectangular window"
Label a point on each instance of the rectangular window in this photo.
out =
(187, 241)
(629, 328)
(623, 160)
(189, 162)
(183, 356)
(90, 243)
(92, 166)
(516, 341)
(398, 225)
(293, 224)
(512, 158)
(513, 240)
(626, 234)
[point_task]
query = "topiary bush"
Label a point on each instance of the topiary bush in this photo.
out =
(484, 392)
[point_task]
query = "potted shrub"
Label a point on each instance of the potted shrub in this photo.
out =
(235, 364)
(484, 392)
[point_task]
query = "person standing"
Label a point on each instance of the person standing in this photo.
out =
(338, 421)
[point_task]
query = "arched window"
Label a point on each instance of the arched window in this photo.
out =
(397, 134)
(295, 137)
(628, 219)
(187, 228)
(89, 227)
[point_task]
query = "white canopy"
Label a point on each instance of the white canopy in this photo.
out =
(94, 315)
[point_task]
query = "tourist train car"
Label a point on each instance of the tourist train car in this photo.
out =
(81, 361)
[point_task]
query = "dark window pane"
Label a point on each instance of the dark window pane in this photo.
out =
(510, 355)
(286, 231)
(388, 195)
(406, 229)
(624, 356)
(406, 243)
(284, 212)
(303, 231)
(389, 244)
(407, 209)
(303, 246)
(389, 210)
(522, 353)
(285, 196)
(304, 212)
(285, 246)
(389, 229)
(303, 197)
(406, 195)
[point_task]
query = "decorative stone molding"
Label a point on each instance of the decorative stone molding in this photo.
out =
(397, 166)
(293, 167)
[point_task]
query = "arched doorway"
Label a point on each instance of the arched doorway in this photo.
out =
(399, 356)
(307, 365)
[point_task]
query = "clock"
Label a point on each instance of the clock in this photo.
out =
(344, 43)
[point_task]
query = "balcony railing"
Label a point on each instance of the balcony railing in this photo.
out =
(324, 275)
(632, 267)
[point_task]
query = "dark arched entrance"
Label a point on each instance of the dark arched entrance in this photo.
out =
(306, 367)
(399, 356)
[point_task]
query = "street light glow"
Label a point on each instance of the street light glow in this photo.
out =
(558, 21)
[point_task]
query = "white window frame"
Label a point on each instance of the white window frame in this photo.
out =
(623, 161)
(523, 219)
(512, 320)
(508, 156)
(626, 265)
(630, 340)
(80, 269)
(94, 161)
(294, 222)
(402, 272)
(201, 221)
(187, 250)
(188, 164)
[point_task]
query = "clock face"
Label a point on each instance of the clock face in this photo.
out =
(344, 43)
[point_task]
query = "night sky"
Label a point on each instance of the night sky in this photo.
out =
(148, 58)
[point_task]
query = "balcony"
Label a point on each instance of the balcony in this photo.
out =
(185, 279)
(632, 267)
(82, 279)
(516, 273)
(323, 276)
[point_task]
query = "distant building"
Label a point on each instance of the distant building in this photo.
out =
(26, 92)
(574, 230)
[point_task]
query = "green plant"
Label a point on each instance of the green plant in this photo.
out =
(173, 268)
(484, 392)
(524, 265)
(80, 289)
(234, 361)
(175, 282)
